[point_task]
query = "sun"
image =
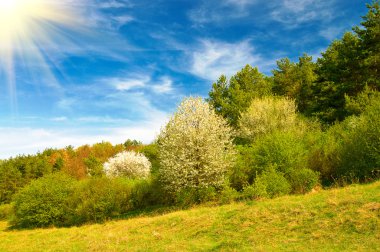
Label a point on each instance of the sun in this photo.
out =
(26, 28)
(16, 16)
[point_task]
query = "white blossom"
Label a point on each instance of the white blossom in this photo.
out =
(195, 147)
(128, 164)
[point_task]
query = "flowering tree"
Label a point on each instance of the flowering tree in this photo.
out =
(195, 147)
(129, 164)
(266, 115)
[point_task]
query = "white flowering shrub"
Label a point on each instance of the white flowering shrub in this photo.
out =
(266, 115)
(128, 164)
(195, 147)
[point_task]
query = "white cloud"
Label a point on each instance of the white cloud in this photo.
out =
(17, 141)
(215, 58)
(331, 33)
(59, 119)
(164, 87)
(125, 84)
(114, 4)
(295, 12)
(221, 11)
(29, 140)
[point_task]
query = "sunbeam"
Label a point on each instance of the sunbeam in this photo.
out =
(27, 27)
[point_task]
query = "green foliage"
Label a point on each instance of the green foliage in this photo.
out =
(302, 180)
(151, 151)
(360, 153)
(269, 184)
(191, 196)
(284, 150)
(358, 104)
(6, 211)
(98, 199)
(346, 68)
(229, 99)
(294, 80)
(44, 202)
(10, 181)
(369, 35)
(94, 166)
(131, 144)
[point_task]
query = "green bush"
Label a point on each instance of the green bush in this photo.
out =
(302, 180)
(275, 184)
(360, 153)
(99, 199)
(6, 211)
(191, 196)
(228, 195)
(43, 202)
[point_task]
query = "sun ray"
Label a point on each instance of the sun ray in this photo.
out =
(26, 28)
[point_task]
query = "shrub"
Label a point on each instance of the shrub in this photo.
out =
(271, 184)
(6, 211)
(128, 164)
(99, 199)
(195, 148)
(228, 195)
(302, 180)
(43, 202)
(360, 153)
(283, 150)
(266, 115)
(190, 196)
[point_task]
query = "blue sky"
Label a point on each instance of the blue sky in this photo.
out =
(118, 69)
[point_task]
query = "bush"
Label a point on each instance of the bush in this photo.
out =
(360, 152)
(128, 164)
(228, 195)
(190, 196)
(302, 180)
(271, 184)
(195, 148)
(99, 199)
(6, 211)
(43, 202)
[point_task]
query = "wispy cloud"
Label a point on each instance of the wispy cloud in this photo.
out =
(163, 85)
(214, 58)
(331, 32)
(220, 11)
(114, 4)
(293, 13)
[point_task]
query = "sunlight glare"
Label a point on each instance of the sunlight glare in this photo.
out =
(27, 28)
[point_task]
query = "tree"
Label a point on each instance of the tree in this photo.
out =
(128, 164)
(267, 115)
(346, 68)
(195, 148)
(231, 98)
(294, 80)
(369, 37)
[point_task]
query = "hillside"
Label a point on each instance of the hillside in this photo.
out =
(338, 219)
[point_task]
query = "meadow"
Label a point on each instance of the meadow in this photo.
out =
(342, 219)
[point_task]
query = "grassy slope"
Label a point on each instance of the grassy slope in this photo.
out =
(339, 219)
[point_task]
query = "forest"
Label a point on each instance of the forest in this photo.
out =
(314, 123)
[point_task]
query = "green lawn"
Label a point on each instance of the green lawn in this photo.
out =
(346, 219)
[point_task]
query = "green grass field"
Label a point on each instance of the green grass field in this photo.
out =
(345, 219)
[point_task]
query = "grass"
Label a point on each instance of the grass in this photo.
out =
(345, 219)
